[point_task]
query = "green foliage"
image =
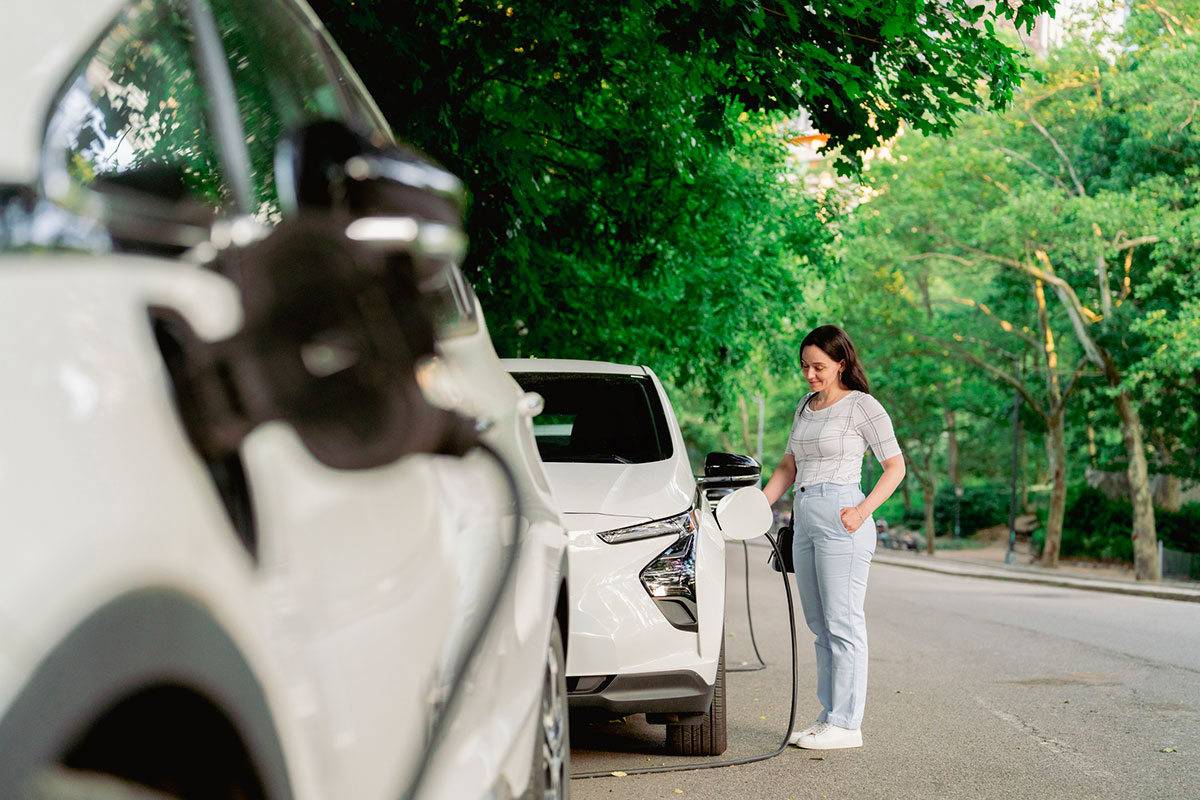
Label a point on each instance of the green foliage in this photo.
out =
(632, 197)
(1098, 527)
(1094, 173)
(982, 506)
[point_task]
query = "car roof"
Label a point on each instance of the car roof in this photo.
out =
(46, 39)
(571, 365)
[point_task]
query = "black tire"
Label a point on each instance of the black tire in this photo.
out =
(551, 778)
(707, 738)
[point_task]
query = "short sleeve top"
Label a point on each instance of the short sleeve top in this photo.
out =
(829, 444)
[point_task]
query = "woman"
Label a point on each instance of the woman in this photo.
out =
(834, 531)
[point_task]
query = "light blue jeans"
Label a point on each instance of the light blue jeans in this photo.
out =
(831, 575)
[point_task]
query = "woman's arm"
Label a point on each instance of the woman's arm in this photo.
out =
(783, 477)
(893, 473)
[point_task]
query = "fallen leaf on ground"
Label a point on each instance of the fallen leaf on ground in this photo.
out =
(619, 774)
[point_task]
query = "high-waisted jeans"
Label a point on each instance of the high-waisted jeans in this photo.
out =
(831, 574)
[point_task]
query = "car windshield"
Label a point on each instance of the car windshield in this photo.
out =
(591, 418)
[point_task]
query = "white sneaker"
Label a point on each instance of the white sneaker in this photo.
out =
(827, 736)
(796, 736)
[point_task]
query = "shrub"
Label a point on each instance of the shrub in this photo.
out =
(1097, 527)
(982, 506)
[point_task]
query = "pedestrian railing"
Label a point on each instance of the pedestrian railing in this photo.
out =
(1178, 564)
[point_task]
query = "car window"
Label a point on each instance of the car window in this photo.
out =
(133, 117)
(598, 418)
(281, 78)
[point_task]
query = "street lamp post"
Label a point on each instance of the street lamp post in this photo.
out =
(958, 493)
(761, 402)
(1011, 556)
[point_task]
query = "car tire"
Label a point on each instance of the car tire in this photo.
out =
(551, 778)
(708, 737)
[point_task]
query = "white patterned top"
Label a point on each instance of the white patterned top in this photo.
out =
(829, 444)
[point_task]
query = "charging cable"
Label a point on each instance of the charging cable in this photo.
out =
(749, 619)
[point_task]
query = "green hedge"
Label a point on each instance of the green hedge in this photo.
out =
(1097, 527)
(982, 506)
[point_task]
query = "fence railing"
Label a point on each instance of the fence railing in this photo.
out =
(1178, 564)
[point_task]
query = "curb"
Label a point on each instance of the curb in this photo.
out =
(1159, 591)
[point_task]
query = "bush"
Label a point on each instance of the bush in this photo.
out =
(1097, 527)
(913, 517)
(982, 506)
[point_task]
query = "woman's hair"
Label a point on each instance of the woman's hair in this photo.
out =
(837, 345)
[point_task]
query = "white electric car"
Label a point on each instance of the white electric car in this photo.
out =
(647, 555)
(273, 521)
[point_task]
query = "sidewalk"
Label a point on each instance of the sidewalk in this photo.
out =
(988, 562)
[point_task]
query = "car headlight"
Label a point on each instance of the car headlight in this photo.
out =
(670, 580)
(678, 525)
(673, 573)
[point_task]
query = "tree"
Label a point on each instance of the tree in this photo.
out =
(631, 195)
(1082, 201)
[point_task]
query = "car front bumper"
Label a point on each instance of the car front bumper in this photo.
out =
(677, 691)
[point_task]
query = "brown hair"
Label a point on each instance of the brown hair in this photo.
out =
(837, 345)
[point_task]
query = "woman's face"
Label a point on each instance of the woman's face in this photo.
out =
(819, 369)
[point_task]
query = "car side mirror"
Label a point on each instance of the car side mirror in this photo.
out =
(729, 471)
(744, 514)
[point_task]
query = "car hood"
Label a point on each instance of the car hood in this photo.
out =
(640, 491)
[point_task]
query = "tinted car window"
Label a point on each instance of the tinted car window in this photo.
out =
(133, 117)
(281, 79)
(598, 418)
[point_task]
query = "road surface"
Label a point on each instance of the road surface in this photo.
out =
(978, 689)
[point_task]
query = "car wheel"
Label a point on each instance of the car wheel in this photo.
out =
(551, 779)
(708, 737)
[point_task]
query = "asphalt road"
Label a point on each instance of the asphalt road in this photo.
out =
(979, 689)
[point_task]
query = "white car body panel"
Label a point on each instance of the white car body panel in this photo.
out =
(358, 571)
(615, 626)
(43, 42)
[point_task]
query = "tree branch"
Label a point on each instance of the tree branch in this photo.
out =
(997, 373)
(1028, 161)
(1083, 362)
(1062, 155)
(1125, 244)
(1004, 324)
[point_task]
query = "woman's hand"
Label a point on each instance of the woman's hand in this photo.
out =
(852, 519)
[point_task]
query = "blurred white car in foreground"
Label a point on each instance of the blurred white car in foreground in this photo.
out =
(254, 544)
(647, 554)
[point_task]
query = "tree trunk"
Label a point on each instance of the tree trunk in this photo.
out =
(1168, 493)
(907, 496)
(1145, 539)
(927, 492)
(1056, 456)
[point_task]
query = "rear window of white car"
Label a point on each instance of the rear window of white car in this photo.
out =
(591, 418)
